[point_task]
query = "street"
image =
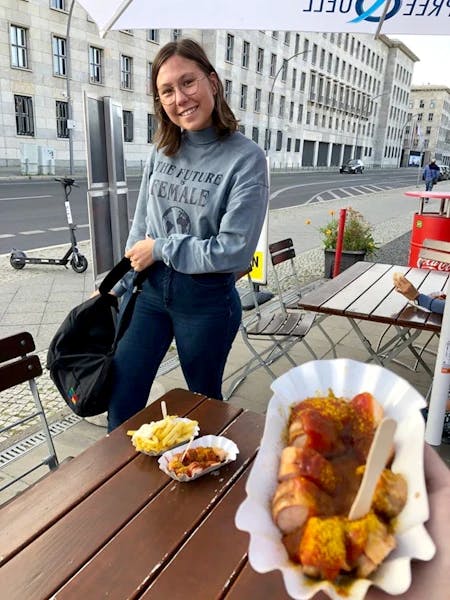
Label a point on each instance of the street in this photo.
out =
(33, 215)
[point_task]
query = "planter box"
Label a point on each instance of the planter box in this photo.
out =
(348, 258)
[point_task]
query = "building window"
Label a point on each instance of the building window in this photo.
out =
(245, 54)
(153, 35)
(279, 140)
(62, 112)
(127, 117)
(432, 104)
(149, 77)
(228, 90)
(430, 116)
(59, 56)
(19, 46)
(270, 103)
(230, 48)
(24, 115)
(273, 65)
(291, 111)
(243, 102)
(282, 106)
(288, 145)
(176, 34)
(59, 5)
(151, 128)
(241, 128)
(284, 70)
(287, 37)
(255, 134)
(297, 43)
(257, 106)
(305, 48)
(267, 137)
(300, 113)
(297, 145)
(260, 61)
(294, 78)
(95, 64)
(302, 81)
(314, 54)
(126, 72)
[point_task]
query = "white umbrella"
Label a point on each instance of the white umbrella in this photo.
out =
(353, 16)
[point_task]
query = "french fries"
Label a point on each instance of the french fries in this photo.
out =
(158, 436)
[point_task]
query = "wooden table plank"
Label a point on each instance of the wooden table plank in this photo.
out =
(261, 586)
(205, 565)
(327, 290)
(22, 519)
(347, 296)
(157, 532)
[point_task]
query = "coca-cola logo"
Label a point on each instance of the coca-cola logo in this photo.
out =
(435, 265)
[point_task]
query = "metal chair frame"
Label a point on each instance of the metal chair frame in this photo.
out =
(282, 252)
(18, 366)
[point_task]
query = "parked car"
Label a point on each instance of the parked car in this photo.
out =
(444, 172)
(355, 165)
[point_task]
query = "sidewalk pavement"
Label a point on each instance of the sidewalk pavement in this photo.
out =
(37, 298)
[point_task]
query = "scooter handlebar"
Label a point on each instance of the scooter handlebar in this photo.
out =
(67, 181)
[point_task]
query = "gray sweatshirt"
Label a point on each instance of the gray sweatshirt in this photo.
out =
(205, 206)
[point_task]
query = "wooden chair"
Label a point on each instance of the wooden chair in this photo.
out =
(18, 366)
(277, 326)
(288, 282)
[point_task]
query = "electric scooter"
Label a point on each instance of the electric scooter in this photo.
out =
(78, 262)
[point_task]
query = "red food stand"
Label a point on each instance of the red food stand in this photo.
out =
(429, 225)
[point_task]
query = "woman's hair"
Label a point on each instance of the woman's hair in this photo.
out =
(168, 135)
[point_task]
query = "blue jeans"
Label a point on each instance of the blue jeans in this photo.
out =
(429, 185)
(202, 312)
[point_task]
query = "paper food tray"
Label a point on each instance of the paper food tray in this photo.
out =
(183, 419)
(401, 402)
(206, 441)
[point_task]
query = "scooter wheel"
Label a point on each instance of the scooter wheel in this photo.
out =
(79, 263)
(17, 260)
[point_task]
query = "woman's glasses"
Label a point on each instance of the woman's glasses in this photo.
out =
(188, 87)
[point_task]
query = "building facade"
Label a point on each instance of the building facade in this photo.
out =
(427, 133)
(309, 99)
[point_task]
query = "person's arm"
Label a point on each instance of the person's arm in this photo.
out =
(436, 305)
(231, 250)
(138, 227)
(407, 289)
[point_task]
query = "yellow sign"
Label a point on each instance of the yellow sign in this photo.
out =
(257, 272)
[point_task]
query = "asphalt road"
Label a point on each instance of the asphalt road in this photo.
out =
(32, 213)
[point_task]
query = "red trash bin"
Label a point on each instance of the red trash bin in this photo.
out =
(429, 225)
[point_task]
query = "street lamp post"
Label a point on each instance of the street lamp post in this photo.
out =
(363, 108)
(267, 134)
(70, 122)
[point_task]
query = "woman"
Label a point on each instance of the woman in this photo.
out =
(199, 214)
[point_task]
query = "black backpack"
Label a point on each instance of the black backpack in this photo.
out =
(81, 352)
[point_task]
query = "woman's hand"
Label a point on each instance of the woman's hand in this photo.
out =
(431, 579)
(403, 286)
(141, 254)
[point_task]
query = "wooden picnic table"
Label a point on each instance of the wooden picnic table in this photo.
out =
(110, 524)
